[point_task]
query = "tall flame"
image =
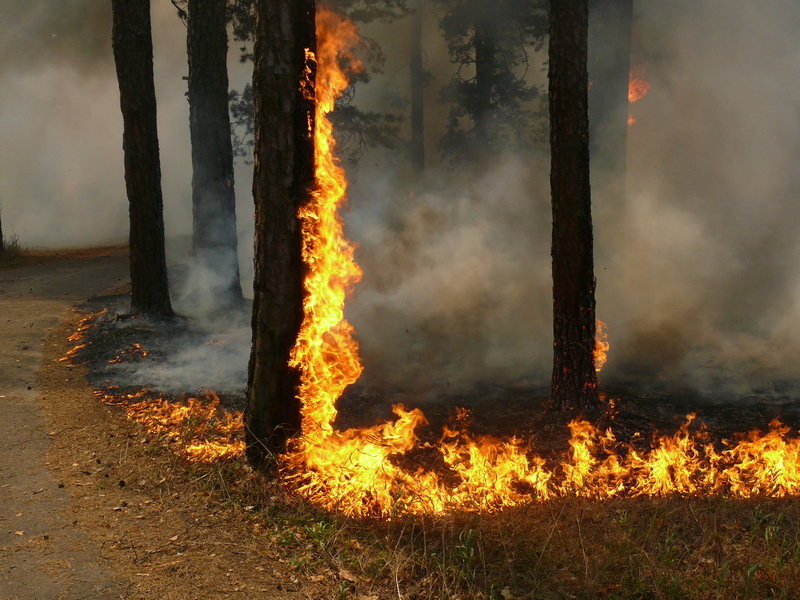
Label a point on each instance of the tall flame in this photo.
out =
(365, 471)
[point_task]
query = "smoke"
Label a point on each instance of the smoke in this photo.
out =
(697, 270)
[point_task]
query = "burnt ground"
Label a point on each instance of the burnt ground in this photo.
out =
(642, 406)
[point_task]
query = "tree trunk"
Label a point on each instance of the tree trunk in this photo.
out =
(283, 180)
(417, 93)
(133, 55)
(215, 243)
(574, 381)
(2, 239)
(610, 31)
(485, 73)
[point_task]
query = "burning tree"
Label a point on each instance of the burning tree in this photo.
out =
(214, 239)
(133, 55)
(574, 381)
(282, 183)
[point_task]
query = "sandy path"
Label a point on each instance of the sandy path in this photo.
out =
(43, 551)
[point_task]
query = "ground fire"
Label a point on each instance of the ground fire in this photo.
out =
(365, 471)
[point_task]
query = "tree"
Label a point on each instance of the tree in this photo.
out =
(282, 182)
(417, 92)
(2, 239)
(492, 104)
(215, 243)
(574, 381)
(133, 56)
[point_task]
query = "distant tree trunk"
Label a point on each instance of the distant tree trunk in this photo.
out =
(283, 180)
(213, 200)
(485, 72)
(2, 239)
(610, 31)
(574, 381)
(417, 93)
(133, 55)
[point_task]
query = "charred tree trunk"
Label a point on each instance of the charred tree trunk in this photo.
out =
(283, 180)
(133, 55)
(611, 23)
(215, 243)
(417, 93)
(574, 382)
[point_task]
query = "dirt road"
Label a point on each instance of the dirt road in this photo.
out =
(44, 553)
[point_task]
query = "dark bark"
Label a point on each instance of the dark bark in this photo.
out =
(417, 93)
(610, 31)
(133, 55)
(574, 381)
(213, 200)
(2, 239)
(283, 179)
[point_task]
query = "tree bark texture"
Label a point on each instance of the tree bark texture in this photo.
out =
(215, 243)
(417, 93)
(283, 180)
(610, 31)
(133, 55)
(574, 381)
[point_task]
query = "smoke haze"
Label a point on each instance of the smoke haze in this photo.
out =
(697, 270)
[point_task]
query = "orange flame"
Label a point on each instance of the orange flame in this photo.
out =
(601, 345)
(638, 86)
(367, 471)
(198, 429)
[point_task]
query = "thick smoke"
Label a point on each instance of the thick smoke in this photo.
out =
(697, 270)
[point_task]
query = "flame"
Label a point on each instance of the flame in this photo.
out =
(601, 345)
(370, 471)
(638, 86)
(377, 471)
(134, 352)
(197, 428)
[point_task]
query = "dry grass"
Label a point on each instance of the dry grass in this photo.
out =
(668, 548)
(178, 529)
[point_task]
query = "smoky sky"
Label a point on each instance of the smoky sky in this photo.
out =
(697, 270)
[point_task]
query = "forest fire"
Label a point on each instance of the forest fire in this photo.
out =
(362, 471)
(199, 429)
(377, 471)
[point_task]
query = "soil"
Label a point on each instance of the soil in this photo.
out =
(89, 508)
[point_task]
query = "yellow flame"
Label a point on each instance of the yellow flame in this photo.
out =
(601, 346)
(371, 471)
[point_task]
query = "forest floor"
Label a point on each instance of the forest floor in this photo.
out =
(88, 509)
(92, 506)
